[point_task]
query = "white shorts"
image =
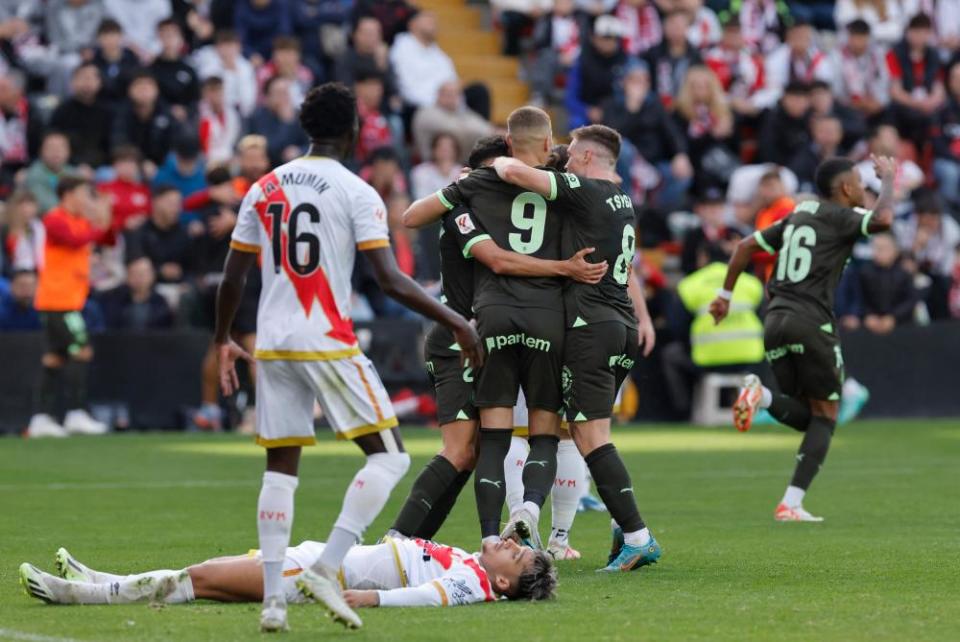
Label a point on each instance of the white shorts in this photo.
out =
(521, 418)
(349, 390)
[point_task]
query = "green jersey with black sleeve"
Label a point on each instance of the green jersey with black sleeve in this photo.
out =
(515, 220)
(596, 213)
(814, 244)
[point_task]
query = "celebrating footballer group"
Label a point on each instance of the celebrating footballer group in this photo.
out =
(537, 249)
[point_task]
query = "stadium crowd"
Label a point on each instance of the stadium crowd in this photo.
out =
(172, 108)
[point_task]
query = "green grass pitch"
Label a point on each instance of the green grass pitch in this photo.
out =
(884, 566)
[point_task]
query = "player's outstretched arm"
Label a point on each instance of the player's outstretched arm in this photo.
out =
(424, 211)
(502, 261)
(229, 293)
(882, 217)
(423, 595)
(522, 175)
(401, 287)
(720, 306)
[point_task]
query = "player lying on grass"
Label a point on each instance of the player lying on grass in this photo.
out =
(396, 572)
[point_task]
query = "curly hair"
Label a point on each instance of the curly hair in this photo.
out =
(539, 581)
(559, 155)
(486, 149)
(828, 172)
(328, 112)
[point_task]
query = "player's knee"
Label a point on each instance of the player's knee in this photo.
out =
(391, 466)
(461, 456)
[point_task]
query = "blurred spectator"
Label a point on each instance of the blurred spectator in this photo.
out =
(19, 126)
(740, 71)
(704, 116)
(784, 127)
(199, 18)
(177, 80)
(885, 17)
(129, 196)
(139, 20)
(946, 143)
(641, 119)
(515, 18)
(277, 120)
(593, 79)
(369, 51)
(285, 63)
(556, 38)
(887, 289)
(17, 313)
(183, 168)
(826, 137)
(745, 194)
(451, 115)
(71, 25)
(163, 239)
(442, 169)
(762, 22)
(596, 8)
(916, 75)
(862, 78)
(384, 173)
(393, 15)
(798, 59)
(421, 66)
(954, 296)
(374, 129)
(144, 122)
(885, 141)
(136, 305)
(44, 173)
(642, 29)
(321, 27)
(704, 29)
(712, 237)
(116, 63)
(223, 59)
(946, 18)
(252, 162)
(931, 239)
(671, 59)
(258, 22)
(773, 204)
(84, 118)
(852, 122)
(219, 122)
(23, 235)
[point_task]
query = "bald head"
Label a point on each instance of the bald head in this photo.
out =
(530, 132)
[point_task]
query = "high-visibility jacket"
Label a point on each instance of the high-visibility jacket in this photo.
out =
(739, 337)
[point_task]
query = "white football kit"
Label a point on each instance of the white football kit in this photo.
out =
(307, 219)
(410, 572)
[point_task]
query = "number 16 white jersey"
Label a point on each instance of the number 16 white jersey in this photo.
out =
(306, 219)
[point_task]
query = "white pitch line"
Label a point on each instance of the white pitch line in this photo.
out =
(11, 634)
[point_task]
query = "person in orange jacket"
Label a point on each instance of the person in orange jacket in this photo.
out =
(774, 204)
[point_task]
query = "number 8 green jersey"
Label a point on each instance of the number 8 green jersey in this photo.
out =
(813, 245)
(515, 220)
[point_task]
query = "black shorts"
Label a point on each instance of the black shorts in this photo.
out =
(524, 349)
(66, 332)
(452, 381)
(597, 358)
(805, 357)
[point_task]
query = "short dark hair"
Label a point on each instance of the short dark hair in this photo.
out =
(163, 188)
(288, 43)
(109, 25)
(606, 137)
(225, 35)
(828, 172)
(169, 22)
(858, 27)
(186, 146)
(820, 84)
(83, 65)
(218, 175)
(926, 201)
(329, 111)
(271, 81)
(539, 581)
(22, 272)
(439, 135)
(142, 74)
(70, 182)
(559, 155)
(52, 133)
(212, 82)
(797, 88)
(920, 21)
(125, 153)
(384, 153)
(487, 148)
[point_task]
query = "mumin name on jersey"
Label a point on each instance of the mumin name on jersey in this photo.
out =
(305, 178)
(520, 338)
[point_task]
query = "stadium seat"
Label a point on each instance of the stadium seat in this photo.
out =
(709, 407)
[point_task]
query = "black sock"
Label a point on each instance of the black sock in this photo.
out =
(438, 514)
(613, 484)
(428, 488)
(51, 387)
(813, 451)
(540, 470)
(790, 412)
(75, 384)
(489, 483)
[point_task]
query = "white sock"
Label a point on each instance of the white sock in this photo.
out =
(567, 489)
(766, 397)
(172, 587)
(274, 522)
(513, 472)
(93, 576)
(793, 497)
(363, 501)
(490, 539)
(533, 509)
(637, 538)
(587, 480)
